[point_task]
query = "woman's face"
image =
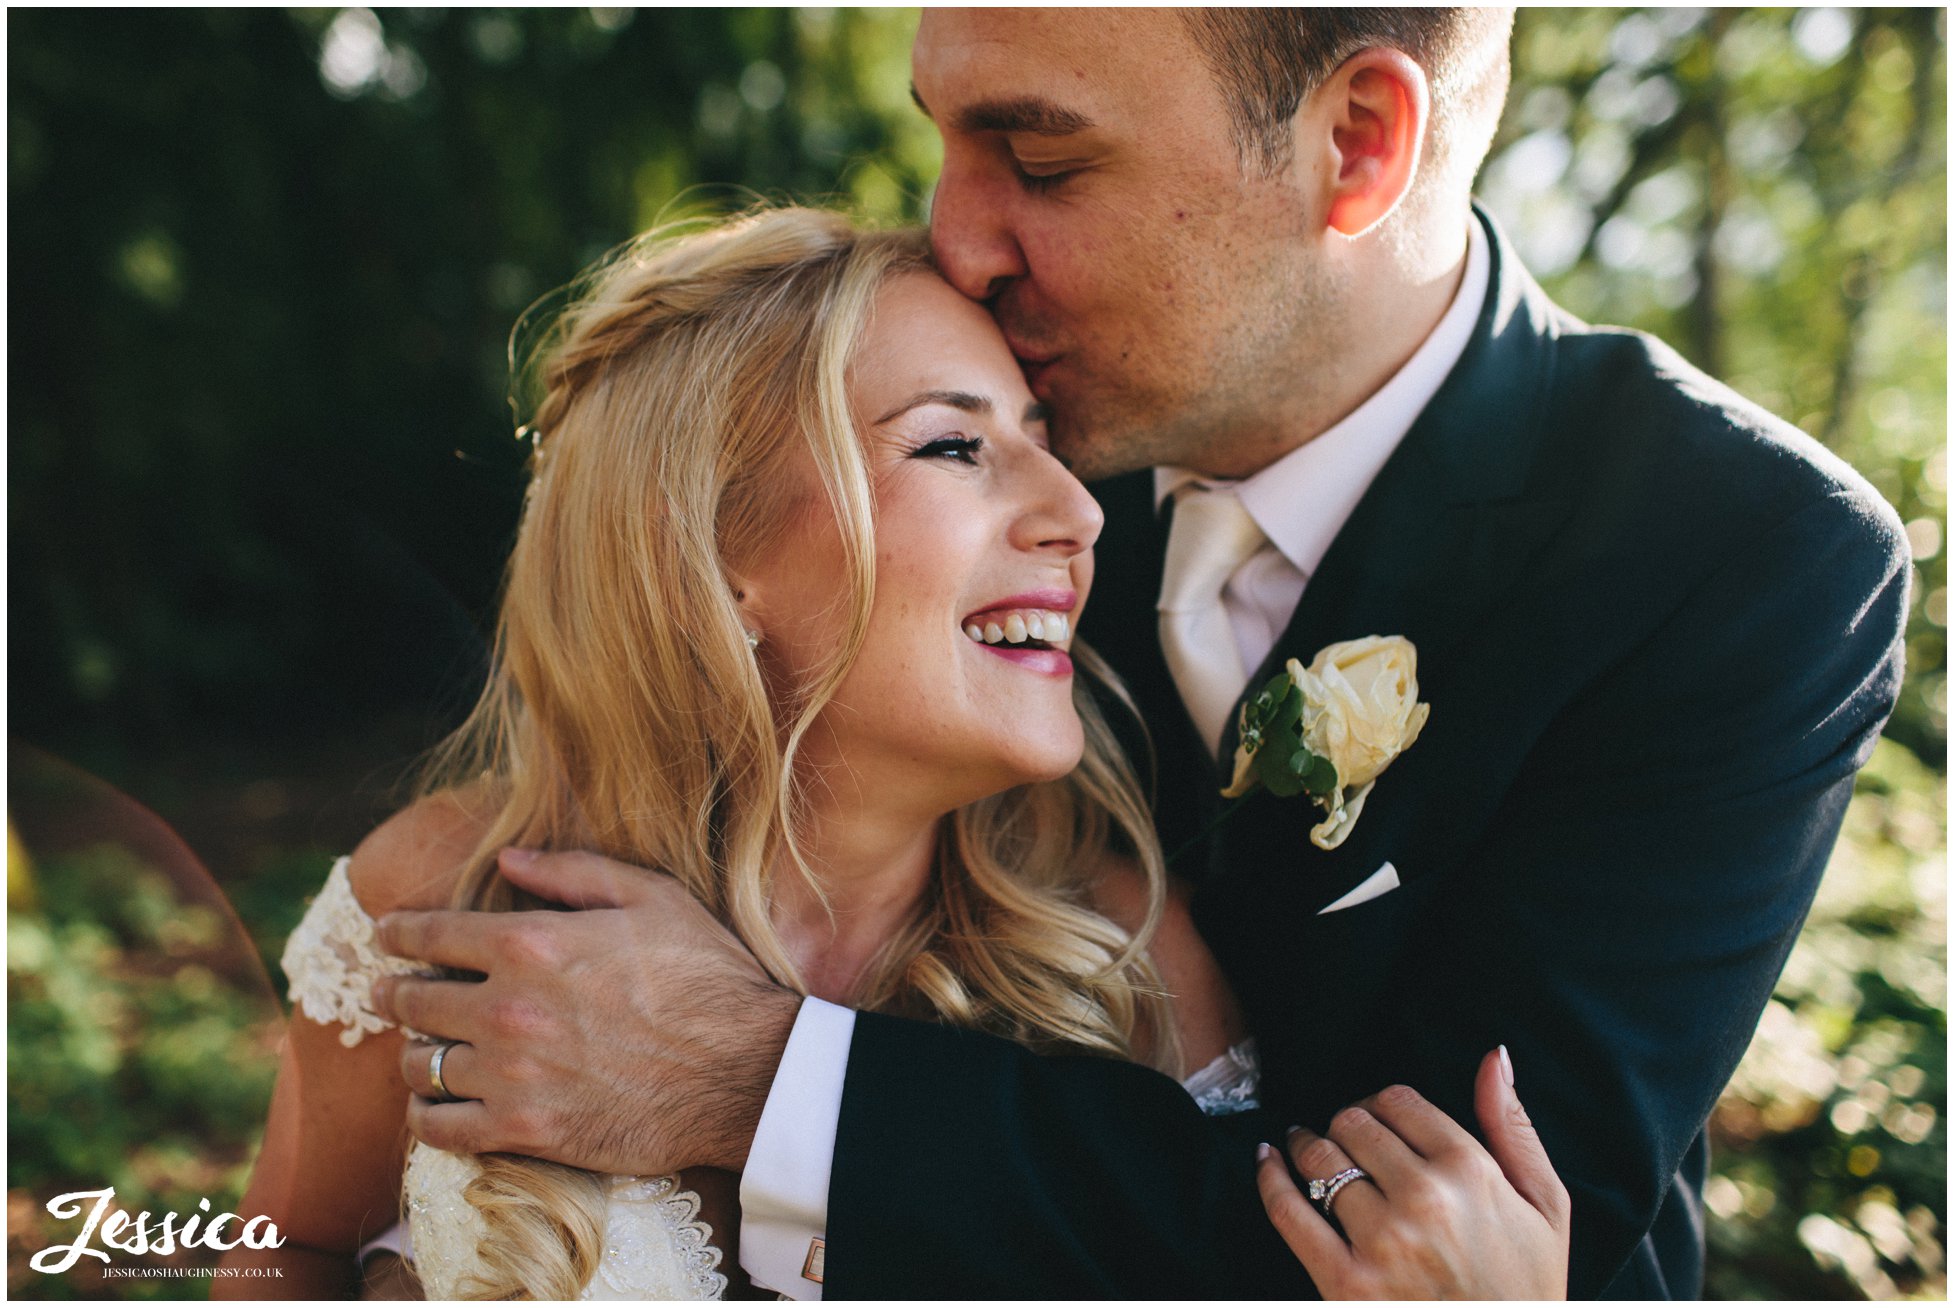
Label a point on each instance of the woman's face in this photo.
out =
(983, 558)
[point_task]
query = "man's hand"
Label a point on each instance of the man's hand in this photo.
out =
(1437, 1216)
(636, 1036)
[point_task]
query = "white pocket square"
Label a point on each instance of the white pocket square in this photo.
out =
(1381, 882)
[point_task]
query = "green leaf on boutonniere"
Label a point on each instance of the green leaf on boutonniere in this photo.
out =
(1282, 741)
(1281, 784)
(1267, 707)
(1321, 779)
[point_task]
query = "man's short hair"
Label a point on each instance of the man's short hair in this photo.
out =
(1268, 60)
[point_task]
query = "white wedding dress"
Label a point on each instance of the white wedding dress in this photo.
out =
(655, 1246)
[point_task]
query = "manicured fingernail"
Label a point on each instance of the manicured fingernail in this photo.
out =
(383, 993)
(520, 859)
(1506, 1066)
(1290, 1131)
(1264, 1152)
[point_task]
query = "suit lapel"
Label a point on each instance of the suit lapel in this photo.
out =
(1440, 536)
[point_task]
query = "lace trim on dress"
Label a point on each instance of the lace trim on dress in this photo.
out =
(333, 958)
(625, 1248)
(655, 1247)
(1228, 1084)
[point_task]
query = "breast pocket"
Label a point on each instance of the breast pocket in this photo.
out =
(1375, 886)
(1351, 946)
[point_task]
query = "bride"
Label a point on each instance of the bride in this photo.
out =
(790, 616)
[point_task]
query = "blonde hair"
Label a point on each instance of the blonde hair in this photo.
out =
(625, 712)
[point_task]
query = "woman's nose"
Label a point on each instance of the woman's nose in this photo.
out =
(974, 246)
(1061, 516)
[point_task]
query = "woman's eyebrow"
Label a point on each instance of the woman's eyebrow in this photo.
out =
(963, 400)
(967, 402)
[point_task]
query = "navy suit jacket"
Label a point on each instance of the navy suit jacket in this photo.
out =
(1659, 630)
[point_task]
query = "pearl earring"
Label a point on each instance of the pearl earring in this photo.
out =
(753, 640)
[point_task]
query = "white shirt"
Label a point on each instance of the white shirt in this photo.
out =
(1300, 502)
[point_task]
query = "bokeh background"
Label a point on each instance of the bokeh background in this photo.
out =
(264, 267)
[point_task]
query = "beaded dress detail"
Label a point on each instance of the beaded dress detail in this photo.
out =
(655, 1246)
(1230, 1083)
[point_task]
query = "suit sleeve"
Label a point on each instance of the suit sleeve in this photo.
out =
(1620, 928)
(967, 1167)
(1623, 925)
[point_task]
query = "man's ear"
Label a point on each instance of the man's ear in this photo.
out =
(1377, 105)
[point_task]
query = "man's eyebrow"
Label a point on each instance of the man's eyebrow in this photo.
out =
(955, 399)
(1035, 412)
(1029, 114)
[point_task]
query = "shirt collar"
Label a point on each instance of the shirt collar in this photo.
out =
(1302, 500)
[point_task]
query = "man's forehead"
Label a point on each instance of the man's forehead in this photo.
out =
(1049, 51)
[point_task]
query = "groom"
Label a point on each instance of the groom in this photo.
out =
(1658, 628)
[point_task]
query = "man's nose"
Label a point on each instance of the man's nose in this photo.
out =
(970, 231)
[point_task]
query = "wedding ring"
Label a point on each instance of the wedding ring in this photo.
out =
(1324, 1193)
(434, 1061)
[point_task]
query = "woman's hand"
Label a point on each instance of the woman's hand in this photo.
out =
(1439, 1216)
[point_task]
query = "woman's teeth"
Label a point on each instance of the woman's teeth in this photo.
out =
(1017, 628)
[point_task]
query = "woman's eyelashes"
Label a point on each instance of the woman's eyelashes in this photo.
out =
(960, 449)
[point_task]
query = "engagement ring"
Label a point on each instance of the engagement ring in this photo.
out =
(1324, 1193)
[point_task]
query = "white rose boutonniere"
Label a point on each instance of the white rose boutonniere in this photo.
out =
(1330, 729)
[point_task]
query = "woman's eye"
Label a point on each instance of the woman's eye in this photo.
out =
(963, 449)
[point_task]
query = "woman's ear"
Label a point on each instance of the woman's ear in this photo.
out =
(1376, 107)
(746, 595)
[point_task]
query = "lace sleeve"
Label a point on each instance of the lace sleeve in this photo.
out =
(333, 958)
(1230, 1084)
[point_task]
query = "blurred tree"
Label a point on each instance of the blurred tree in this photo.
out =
(1766, 190)
(266, 266)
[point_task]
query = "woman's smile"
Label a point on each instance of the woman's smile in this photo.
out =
(1032, 630)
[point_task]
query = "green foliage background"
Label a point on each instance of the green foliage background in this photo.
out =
(264, 267)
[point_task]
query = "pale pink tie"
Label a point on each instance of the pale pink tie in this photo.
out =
(1212, 535)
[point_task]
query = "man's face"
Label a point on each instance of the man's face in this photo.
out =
(1162, 296)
